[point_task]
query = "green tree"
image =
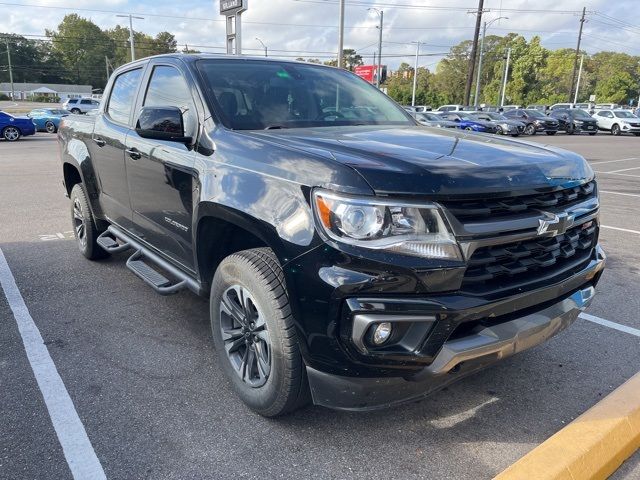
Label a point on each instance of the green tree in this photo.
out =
(82, 47)
(618, 87)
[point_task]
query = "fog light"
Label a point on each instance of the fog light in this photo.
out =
(381, 333)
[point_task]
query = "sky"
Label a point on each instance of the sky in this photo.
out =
(308, 28)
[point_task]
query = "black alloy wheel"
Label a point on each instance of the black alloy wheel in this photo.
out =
(530, 129)
(50, 127)
(245, 336)
(615, 130)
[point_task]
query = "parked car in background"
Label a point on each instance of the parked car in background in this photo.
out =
(12, 128)
(504, 125)
(542, 108)
(466, 122)
(561, 106)
(432, 120)
(534, 120)
(506, 108)
(47, 119)
(575, 120)
(422, 108)
(618, 121)
(80, 105)
(450, 108)
(607, 106)
(589, 107)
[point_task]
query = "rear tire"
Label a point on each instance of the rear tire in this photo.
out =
(75, 111)
(84, 225)
(254, 333)
(551, 133)
(591, 134)
(636, 134)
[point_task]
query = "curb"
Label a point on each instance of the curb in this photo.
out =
(593, 446)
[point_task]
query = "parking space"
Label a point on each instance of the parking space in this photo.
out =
(141, 372)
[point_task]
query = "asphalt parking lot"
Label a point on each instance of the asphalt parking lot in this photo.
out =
(141, 373)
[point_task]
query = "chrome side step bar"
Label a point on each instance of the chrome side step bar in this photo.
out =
(114, 240)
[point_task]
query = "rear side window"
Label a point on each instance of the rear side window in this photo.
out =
(86, 102)
(168, 88)
(122, 95)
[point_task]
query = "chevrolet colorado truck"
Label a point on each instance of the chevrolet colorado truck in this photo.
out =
(352, 257)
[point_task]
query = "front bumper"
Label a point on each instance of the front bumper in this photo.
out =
(463, 355)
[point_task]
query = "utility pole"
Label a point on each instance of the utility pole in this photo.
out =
(575, 98)
(504, 77)
(415, 75)
(474, 49)
(575, 60)
(341, 35)
(13, 94)
(479, 77)
(379, 69)
(131, 39)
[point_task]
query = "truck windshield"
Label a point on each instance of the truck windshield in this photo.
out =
(257, 94)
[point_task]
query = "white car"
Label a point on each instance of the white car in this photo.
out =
(618, 121)
(450, 108)
(80, 105)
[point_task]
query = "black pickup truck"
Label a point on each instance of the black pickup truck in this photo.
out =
(352, 257)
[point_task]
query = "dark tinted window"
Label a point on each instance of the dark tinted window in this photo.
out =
(577, 113)
(168, 88)
(123, 95)
(86, 102)
(271, 94)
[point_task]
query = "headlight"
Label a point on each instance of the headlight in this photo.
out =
(417, 229)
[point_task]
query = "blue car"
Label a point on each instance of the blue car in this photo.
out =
(467, 122)
(47, 119)
(12, 128)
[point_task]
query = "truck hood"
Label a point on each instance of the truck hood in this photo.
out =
(421, 161)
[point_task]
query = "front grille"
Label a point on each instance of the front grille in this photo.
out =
(524, 263)
(479, 208)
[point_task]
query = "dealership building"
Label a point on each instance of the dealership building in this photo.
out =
(24, 91)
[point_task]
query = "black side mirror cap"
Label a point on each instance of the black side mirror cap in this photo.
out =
(162, 123)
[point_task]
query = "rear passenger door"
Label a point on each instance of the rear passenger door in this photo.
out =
(160, 173)
(107, 147)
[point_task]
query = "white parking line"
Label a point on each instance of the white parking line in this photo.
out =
(607, 323)
(620, 174)
(624, 170)
(612, 161)
(76, 446)
(620, 193)
(621, 229)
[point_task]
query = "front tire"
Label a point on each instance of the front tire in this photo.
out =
(499, 130)
(75, 111)
(254, 333)
(615, 130)
(551, 133)
(84, 225)
(11, 134)
(50, 127)
(530, 129)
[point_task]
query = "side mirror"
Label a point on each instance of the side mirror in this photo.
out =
(456, 119)
(162, 123)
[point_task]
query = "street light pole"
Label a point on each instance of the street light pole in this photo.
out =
(341, 35)
(504, 78)
(131, 38)
(263, 46)
(575, 98)
(415, 75)
(484, 33)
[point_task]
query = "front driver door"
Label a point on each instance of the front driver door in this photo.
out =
(160, 173)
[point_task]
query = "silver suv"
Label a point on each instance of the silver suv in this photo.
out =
(80, 105)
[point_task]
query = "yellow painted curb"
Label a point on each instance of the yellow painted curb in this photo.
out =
(593, 446)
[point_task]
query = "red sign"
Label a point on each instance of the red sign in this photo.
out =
(366, 72)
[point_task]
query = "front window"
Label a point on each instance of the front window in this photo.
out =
(624, 114)
(536, 114)
(254, 94)
(577, 113)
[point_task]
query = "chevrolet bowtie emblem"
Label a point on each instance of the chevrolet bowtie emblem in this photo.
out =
(554, 224)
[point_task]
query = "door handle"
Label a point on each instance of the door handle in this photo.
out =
(100, 142)
(134, 153)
